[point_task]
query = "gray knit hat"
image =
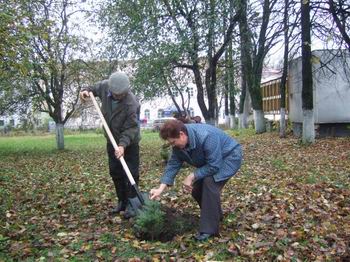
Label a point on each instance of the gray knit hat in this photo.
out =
(118, 83)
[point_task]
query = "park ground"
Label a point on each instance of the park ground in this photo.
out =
(289, 202)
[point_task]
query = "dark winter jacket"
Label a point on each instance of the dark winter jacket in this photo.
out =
(123, 120)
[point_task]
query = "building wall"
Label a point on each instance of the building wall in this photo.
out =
(37, 120)
(85, 117)
(331, 88)
(11, 121)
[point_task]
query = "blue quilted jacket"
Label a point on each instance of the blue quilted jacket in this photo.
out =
(210, 150)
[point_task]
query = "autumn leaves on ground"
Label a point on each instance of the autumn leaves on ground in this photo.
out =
(289, 202)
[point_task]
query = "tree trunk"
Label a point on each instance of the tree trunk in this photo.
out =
(256, 100)
(243, 116)
(227, 121)
(242, 103)
(308, 126)
(211, 121)
(307, 82)
(232, 122)
(283, 122)
(284, 73)
(259, 120)
(252, 74)
(200, 90)
(226, 94)
(231, 83)
(59, 136)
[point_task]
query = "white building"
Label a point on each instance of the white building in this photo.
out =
(11, 121)
(160, 107)
(331, 92)
(33, 119)
(164, 106)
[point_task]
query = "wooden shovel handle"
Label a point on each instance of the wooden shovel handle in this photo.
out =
(111, 138)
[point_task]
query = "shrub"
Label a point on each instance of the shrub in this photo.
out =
(150, 221)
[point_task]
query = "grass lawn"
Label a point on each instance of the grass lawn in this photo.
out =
(289, 202)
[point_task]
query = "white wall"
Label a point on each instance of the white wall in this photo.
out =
(331, 88)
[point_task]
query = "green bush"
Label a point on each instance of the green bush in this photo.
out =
(150, 221)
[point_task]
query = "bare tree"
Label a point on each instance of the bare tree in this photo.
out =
(341, 14)
(289, 26)
(230, 87)
(331, 22)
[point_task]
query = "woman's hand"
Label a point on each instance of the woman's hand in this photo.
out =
(156, 192)
(187, 183)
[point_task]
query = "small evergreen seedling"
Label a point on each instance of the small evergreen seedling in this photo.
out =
(150, 221)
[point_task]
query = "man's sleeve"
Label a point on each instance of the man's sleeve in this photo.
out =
(95, 89)
(130, 127)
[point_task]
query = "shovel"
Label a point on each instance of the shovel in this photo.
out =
(136, 202)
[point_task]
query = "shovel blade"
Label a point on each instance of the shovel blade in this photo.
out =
(135, 202)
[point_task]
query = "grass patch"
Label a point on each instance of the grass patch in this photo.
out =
(279, 164)
(47, 144)
(241, 133)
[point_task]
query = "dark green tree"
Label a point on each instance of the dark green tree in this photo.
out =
(14, 52)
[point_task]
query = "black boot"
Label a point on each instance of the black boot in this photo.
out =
(118, 208)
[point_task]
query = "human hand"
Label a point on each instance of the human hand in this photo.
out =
(187, 183)
(156, 192)
(119, 153)
(84, 95)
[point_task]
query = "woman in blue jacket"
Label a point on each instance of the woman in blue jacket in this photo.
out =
(216, 156)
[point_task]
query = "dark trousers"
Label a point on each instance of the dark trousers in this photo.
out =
(207, 193)
(121, 182)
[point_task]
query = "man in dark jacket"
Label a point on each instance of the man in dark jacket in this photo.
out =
(120, 109)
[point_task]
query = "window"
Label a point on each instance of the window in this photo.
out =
(12, 122)
(2, 122)
(147, 114)
(160, 113)
(190, 91)
(37, 121)
(175, 92)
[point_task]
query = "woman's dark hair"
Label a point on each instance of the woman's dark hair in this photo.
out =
(171, 129)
